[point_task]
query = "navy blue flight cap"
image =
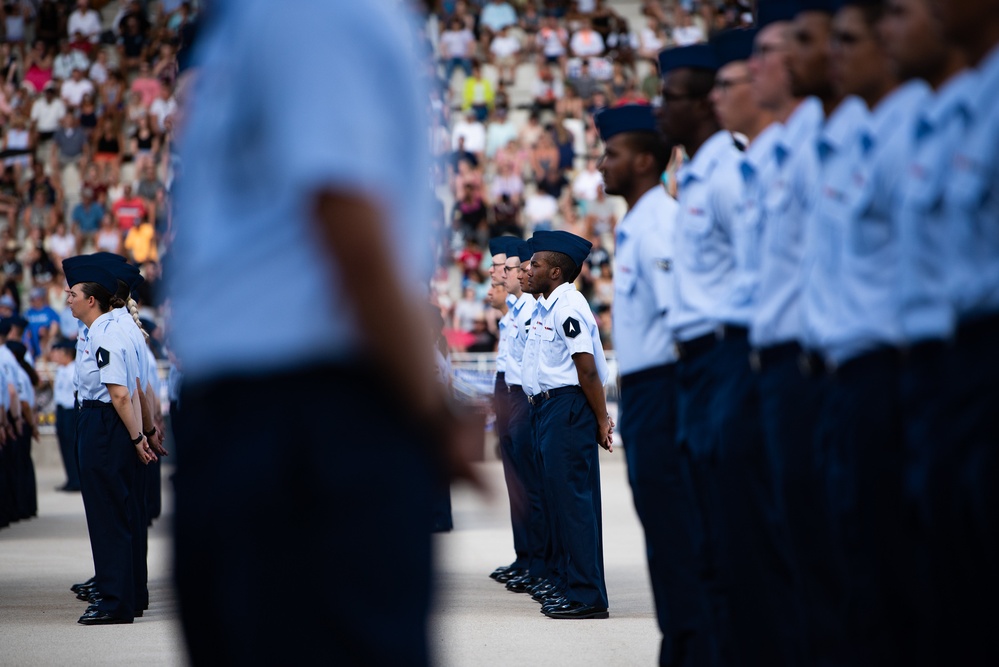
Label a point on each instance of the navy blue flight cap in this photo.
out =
(695, 56)
(501, 245)
(524, 250)
(79, 272)
(825, 6)
(576, 247)
(773, 11)
(625, 118)
(64, 344)
(733, 45)
(18, 348)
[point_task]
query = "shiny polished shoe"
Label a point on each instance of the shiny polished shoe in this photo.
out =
(98, 617)
(87, 593)
(540, 583)
(553, 602)
(577, 610)
(521, 585)
(86, 584)
(512, 573)
(502, 569)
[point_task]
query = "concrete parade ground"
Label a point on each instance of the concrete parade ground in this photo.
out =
(477, 621)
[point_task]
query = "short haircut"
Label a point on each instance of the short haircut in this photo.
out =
(653, 143)
(700, 82)
(562, 261)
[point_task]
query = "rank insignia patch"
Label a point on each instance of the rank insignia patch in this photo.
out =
(571, 327)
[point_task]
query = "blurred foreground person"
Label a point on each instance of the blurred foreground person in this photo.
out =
(314, 427)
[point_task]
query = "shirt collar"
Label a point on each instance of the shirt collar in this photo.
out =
(955, 96)
(844, 123)
(709, 154)
(521, 302)
(894, 109)
(759, 151)
(803, 122)
(556, 293)
(104, 317)
(636, 214)
(510, 300)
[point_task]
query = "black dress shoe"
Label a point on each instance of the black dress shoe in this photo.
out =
(76, 587)
(553, 602)
(510, 574)
(539, 583)
(521, 585)
(98, 617)
(498, 571)
(542, 593)
(577, 610)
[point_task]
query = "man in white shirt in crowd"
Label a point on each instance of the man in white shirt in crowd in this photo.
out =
(85, 21)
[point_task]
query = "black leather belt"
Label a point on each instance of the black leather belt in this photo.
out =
(813, 364)
(977, 330)
(94, 404)
(510, 388)
(687, 350)
(655, 373)
(538, 399)
(763, 358)
(922, 351)
(732, 332)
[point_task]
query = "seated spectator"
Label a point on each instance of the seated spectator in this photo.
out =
(544, 158)
(99, 69)
(685, 32)
(46, 112)
(144, 144)
(69, 145)
(148, 184)
(38, 65)
(11, 267)
(584, 83)
(571, 105)
(457, 47)
(108, 237)
(85, 21)
(540, 210)
(17, 137)
(507, 183)
(470, 261)
(114, 93)
(552, 40)
(42, 266)
(132, 45)
(478, 95)
(39, 213)
(547, 89)
(586, 184)
(80, 43)
(651, 40)
(75, 87)
(140, 243)
(472, 131)
(586, 42)
(600, 214)
(505, 55)
(105, 146)
(468, 309)
(61, 243)
(88, 115)
(622, 44)
(147, 85)
(129, 211)
(164, 66)
(162, 108)
(495, 15)
(10, 196)
(67, 60)
(43, 321)
(87, 215)
(530, 25)
(514, 154)
(500, 132)
(531, 131)
(470, 214)
(467, 175)
(505, 217)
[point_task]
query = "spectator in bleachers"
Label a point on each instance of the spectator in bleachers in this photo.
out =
(685, 31)
(147, 85)
(99, 69)
(457, 48)
(17, 136)
(144, 143)
(140, 242)
(472, 131)
(467, 310)
(43, 320)
(131, 45)
(495, 15)
(113, 92)
(553, 42)
(505, 55)
(507, 183)
(87, 215)
(85, 21)
(470, 215)
(478, 95)
(39, 213)
(38, 66)
(68, 60)
(547, 89)
(61, 243)
(540, 210)
(163, 107)
(129, 211)
(586, 42)
(46, 113)
(106, 147)
(584, 82)
(586, 184)
(75, 87)
(500, 132)
(108, 237)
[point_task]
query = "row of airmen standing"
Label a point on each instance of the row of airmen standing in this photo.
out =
(117, 437)
(809, 380)
(18, 379)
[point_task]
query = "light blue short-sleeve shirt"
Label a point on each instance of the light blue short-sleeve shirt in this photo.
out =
(643, 283)
(523, 311)
(563, 326)
(710, 188)
(108, 357)
(283, 109)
